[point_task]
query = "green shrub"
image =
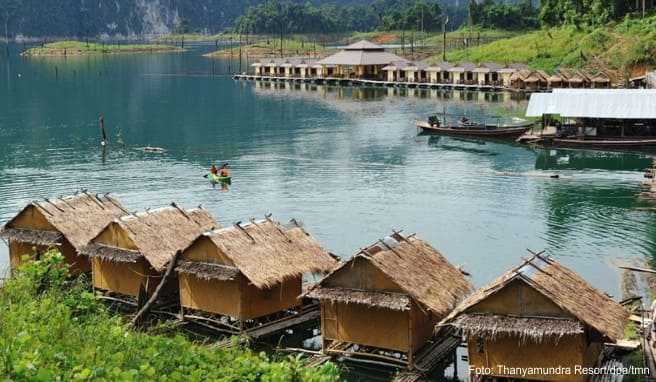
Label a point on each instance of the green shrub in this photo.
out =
(53, 329)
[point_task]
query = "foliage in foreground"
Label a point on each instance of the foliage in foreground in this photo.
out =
(620, 46)
(53, 329)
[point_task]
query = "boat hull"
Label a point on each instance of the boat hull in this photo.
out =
(600, 143)
(219, 179)
(498, 133)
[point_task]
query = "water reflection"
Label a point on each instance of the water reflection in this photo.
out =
(345, 160)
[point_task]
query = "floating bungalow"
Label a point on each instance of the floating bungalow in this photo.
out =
(67, 223)
(463, 73)
(367, 63)
(387, 298)
(249, 271)
(600, 80)
(596, 118)
(538, 315)
(488, 74)
(129, 256)
(395, 71)
(530, 80)
(439, 73)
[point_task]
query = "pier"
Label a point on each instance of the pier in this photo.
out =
(375, 83)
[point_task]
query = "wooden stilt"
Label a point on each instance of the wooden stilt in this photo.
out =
(167, 275)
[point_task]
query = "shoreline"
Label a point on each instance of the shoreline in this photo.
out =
(81, 49)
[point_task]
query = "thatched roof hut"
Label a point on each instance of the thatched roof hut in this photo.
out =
(389, 295)
(68, 223)
(539, 307)
(135, 248)
(249, 270)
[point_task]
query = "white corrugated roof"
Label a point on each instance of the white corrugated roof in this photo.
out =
(595, 103)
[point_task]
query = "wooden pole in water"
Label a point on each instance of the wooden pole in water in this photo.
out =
(103, 133)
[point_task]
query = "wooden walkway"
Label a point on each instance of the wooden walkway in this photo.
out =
(357, 81)
(304, 317)
(435, 356)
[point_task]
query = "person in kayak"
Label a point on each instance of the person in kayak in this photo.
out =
(214, 170)
(224, 171)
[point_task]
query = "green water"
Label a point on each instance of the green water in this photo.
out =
(347, 162)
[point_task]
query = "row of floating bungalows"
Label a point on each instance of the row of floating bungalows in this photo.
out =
(394, 297)
(516, 76)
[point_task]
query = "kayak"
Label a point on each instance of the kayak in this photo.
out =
(219, 179)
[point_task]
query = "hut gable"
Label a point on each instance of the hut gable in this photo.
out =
(395, 267)
(264, 251)
(156, 235)
(572, 300)
(76, 218)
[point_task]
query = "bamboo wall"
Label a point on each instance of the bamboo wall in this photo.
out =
(236, 298)
(405, 331)
(124, 278)
(33, 219)
(18, 249)
(518, 299)
(508, 351)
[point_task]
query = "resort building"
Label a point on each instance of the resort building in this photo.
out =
(388, 297)
(367, 61)
(538, 315)
(361, 60)
(488, 74)
(439, 73)
(463, 74)
(596, 117)
(66, 223)
(249, 270)
(555, 81)
(395, 71)
(416, 72)
(526, 79)
(129, 256)
(600, 80)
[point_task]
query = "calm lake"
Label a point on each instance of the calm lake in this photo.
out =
(347, 162)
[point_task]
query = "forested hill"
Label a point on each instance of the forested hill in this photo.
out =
(93, 18)
(136, 18)
(78, 18)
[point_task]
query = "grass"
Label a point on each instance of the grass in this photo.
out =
(54, 329)
(620, 47)
(81, 48)
(428, 38)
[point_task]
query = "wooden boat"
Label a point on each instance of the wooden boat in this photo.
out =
(476, 130)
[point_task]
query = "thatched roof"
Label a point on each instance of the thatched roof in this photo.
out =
(208, 271)
(527, 328)
(267, 252)
(78, 218)
(416, 267)
(388, 300)
(32, 236)
(159, 234)
(109, 253)
(564, 288)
